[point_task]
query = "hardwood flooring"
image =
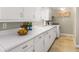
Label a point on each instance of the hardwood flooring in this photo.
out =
(64, 44)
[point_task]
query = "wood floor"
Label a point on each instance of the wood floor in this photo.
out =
(63, 44)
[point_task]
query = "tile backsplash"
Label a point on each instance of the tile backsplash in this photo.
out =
(12, 25)
(9, 25)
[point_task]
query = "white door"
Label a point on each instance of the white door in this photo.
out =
(39, 44)
(12, 13)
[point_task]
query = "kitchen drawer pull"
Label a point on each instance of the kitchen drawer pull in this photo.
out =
(24, 47)
(49, 36)
(47, 32)
(40, 37)
(33, 50)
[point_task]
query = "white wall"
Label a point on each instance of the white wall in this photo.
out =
(66, 23)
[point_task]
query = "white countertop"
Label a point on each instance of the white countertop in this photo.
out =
(10, 39)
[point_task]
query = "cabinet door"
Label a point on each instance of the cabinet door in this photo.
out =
(29, 13)
(11, 13)
(47, 41)
(49, 38)
(58, 30)
(52, 34)
(45, 13)
(26, 47)
(30, 49)
(38, 14)
(39, 44)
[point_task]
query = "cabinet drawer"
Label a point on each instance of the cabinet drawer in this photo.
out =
(40, 37)
(23, 47)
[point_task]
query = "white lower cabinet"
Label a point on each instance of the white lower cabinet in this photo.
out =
(47, 41)
(26, 47)
(53, 34)
(39, 43)
(49, 38)
(58, 31)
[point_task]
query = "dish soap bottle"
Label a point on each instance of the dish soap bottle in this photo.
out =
(30, 26)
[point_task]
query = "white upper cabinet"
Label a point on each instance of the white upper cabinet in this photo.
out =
(32, 13)
(38, 13)
(24, 13)
(43, 13)
(11, 13)
(29, 13)
(46, 13)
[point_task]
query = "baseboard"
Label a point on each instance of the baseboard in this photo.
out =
(65, 34)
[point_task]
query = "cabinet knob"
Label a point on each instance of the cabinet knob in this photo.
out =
(40, 37)
(24, 47)
(33, 50)
(47, 32)
(49, 36)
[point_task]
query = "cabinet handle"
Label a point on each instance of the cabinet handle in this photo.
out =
(40, 37)
(33, 50)
(24, 47)
(49, 36)
(47, 32)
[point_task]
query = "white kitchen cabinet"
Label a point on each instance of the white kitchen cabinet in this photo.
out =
(25, 47)
(46, 14)
(57, 31)
(44, 41)
(39, 43)
(29, 13)
(11, 13)
(38, 14)
(24, 13)
(47, 42)
(38, 40)
(18, 13)
(49, 38)
(53, 35)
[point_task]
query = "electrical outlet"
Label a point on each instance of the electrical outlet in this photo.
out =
(4, 25)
